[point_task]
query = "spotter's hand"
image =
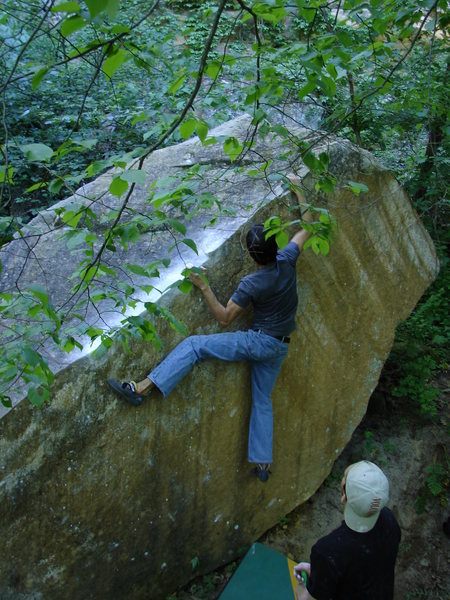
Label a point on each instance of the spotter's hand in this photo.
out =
(302, 567)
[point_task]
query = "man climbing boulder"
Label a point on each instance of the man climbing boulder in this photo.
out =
(271, 291)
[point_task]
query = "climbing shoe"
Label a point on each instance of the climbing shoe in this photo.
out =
(262, 472)
(127, 389)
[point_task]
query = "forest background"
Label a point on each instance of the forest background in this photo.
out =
(86, 86)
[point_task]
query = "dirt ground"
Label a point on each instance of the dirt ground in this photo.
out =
(404, 444)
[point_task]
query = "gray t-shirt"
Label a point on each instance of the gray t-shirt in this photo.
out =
(272, 290)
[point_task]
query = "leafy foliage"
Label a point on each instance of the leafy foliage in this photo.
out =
(436, 485)
(90, 85)
(420, 351)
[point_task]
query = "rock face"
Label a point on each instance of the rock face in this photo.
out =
(101, 500)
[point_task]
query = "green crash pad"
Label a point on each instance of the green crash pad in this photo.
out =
(263, 574)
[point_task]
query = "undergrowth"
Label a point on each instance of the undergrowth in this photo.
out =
(420, 350)
(436, 485)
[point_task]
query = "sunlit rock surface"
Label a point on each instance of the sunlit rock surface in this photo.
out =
(101, 500)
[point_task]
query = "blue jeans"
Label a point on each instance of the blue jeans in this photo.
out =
(266, 355)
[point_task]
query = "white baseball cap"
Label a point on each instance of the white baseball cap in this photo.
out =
(367, 492)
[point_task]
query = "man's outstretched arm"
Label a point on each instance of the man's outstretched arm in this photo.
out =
(223, 314)
(301, 236)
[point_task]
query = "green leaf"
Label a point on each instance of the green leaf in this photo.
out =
(5, 224)
(254, 93)
(69, 7)
(39, 292)
(187, 128)
(307, 13)
(383, 85)
(112, 6)
(232, 148)
(178, 82)
(72, 24)
(177, 225)
(332, 70)
(38, 395)
(128, 233)
(185, 286)
(202, 130)
(55, 185)
(38, 77)
(282, 238)
(213, 68)
(273, 14)
(96, 7)
(6, 174)
(326, 183)
(272, 222)
(37, 152)
(229, 60)
(36, 186)
(324, 246)
(318, 245)
(191, 244)
(178, 326)
(380, 25)
(102, 268)
(118, 187)
(438, 340)
(86, 144)
(114, 61)
(6, 401)
(9, 372)
(324, 159)
(134, 176)
(30, 357)
(258, 116)
(328, 85)
(70, 344)
(311, 161)
(150, 270)
(357, 188)
(159, 199)
(72, 217)
(89, 274)
(307, 89)
(93, 332)
(137, 269)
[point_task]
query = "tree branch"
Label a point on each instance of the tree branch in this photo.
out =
(101, 44)
(162, 139)
(25, 46)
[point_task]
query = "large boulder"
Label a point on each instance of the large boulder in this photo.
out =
(102, 500)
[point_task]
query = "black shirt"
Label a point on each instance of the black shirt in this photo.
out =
(347, 565)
